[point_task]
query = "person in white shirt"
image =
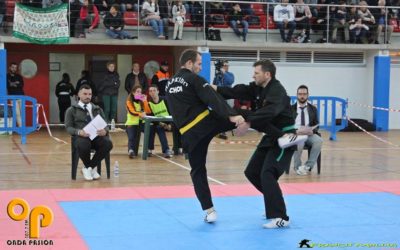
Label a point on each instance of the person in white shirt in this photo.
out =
(306, 117)
(284, 19)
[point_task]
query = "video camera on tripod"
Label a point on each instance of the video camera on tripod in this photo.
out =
(218, 73)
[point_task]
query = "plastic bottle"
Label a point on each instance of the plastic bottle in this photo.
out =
(112, 125)
(116, 169)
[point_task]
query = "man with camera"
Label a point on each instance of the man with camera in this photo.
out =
(223, 78)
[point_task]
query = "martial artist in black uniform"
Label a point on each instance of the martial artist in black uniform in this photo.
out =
(200, 114)
(272, 116)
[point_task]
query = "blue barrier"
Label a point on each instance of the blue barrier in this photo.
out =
(26, 101)
(328, 113)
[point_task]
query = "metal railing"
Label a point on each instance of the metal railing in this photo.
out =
(20, 107)
(267, 25)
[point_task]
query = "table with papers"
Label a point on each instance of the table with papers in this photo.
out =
(147, 122)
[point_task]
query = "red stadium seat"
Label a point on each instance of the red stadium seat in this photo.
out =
(258, 9)
(131, 18)
(395, 23)
(188, 22)
(254, 26)
(271, 23)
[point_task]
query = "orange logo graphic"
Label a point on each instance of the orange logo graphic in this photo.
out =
(40, 216)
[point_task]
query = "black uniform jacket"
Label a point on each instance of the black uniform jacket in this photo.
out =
(189, 95)
(272, 108)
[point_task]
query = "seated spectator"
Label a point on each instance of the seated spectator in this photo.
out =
(358, 31)
(151, 14)
(32, 3)
(2, 11)
(137, 107)
(103, 6)
(165, 15)
(76, 118)
(88, 18)
(269, 8)
(303, 18)
(215, 7)
(312, 4)
(114, 23)
(159, 108)
(395, 12)
(306, 116)
(74, 11)
(130, 5)
(236, 18)
(178, 18)
(51, 3)
(322, 18)
(383, 24)
(284, 19)
(367, 19)
(340, 22)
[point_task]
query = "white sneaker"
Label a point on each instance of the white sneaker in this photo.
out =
(95, 174)
(288, 140)
(276, 223)
(211, 217)
(303, 170)
(87, 173)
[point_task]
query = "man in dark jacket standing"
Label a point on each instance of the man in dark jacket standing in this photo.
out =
(306, 117)
(108, 89)
(15, 86)
(136, 78)
(76, 118)
(190, 98)
(272, 116)
(165, 15)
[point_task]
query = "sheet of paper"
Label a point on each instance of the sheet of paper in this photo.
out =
(94, 125)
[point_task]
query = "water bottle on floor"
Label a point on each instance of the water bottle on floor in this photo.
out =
(112, 125)
(116, 169)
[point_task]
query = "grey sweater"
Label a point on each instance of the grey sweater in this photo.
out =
(75, 118)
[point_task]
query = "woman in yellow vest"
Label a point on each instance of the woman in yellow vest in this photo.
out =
(158, 108)
(137, 107)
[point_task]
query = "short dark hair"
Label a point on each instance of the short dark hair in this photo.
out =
(302, 87)
(85, 86)
(188, 55)
(13, 63)
(153, 86)
(115, 6)
(266, 66)
(111, 62)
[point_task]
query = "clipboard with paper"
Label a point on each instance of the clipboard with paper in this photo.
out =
(95, 124)
(306, 130)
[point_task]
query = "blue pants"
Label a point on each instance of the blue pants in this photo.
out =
(161, 136)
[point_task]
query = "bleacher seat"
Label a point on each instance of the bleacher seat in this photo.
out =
(271, 23)
(253, 25)
(220, 26)
(188, 22)
(131, 18)
(395, 23)
(258, 9)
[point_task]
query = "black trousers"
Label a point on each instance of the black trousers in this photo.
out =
(197, 160)
(102, 145)
(63, 104)
(263, 171)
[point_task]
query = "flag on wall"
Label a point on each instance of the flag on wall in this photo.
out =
(41, 26)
